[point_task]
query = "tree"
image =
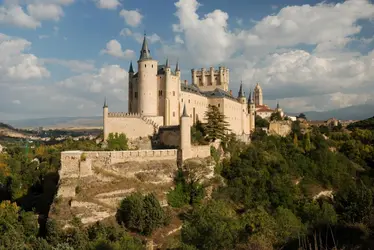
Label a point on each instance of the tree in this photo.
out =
(117, 142)
(216, 127)
(260, 122)
(302, 116)
(276, 116)
(307, 145)
(141, 213)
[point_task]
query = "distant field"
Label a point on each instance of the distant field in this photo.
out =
(94, 122)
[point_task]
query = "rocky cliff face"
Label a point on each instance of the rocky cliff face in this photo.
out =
(96, 197)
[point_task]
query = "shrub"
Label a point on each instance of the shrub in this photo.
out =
(140, 213)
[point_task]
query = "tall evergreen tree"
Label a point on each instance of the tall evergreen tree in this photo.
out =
(216, 127)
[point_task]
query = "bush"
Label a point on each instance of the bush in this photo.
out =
(140, 213)
(117, 142)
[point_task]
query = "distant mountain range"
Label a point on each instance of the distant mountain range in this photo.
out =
(358, 112)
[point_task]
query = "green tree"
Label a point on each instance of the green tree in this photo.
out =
(276, 116)
(117, 142)
(212, 226)
(307, 144)
(141, 213)
(217, 126)
(260, 122)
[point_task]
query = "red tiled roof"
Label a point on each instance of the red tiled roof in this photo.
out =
(264, 109)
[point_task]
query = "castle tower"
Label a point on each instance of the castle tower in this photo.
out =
(177, 70)
(185, 134)
(251, 112)
(258, 95)
(105, 120)
(131, 105)
(147, 82)
(241, 96)
(172, 89)
(167, 93)
(243, 101)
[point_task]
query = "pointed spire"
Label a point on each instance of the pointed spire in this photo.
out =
(250, 97)
(177, 66)
(241, 93)
(105, 103)
(184, 114)
(278, 105)
(167, 63)
(145, 53)
(131, 70)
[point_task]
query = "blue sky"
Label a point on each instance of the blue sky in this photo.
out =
(61, 57)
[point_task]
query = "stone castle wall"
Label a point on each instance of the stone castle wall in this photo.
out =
(77, 163)
(170, 136)
(132, 125)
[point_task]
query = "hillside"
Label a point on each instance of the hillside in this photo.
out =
(58, 122)
(358, 112)
(364, 124)
(9, 131)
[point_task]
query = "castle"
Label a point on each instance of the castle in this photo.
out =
(157, 97)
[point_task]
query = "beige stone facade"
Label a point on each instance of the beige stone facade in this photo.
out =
(156, 97)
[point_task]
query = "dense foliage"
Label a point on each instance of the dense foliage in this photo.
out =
(216, 126)
(141, 213)
(311, 189)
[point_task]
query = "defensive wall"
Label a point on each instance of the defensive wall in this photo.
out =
(132, 124)
(75, 164)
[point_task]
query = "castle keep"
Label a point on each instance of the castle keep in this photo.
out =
(157, 96)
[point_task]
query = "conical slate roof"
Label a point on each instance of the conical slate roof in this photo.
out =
(241, 93)
(131, 70)
(145, 53)
(184, 111)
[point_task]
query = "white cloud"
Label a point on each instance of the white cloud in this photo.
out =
(12, 12)
(178, 39)
(107, 4)
(16, 102)
(154, 38)
(132, 17)
(45, 11)
(105, 79)
(15, 64)
(73, 65)
(270, 53)
(114, 48)
(14, 15)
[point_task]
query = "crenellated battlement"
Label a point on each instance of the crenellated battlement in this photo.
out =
(123, 114)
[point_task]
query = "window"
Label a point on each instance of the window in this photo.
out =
(189, 101)
(152, 65)
(160, 93)
(145, 65)
(173, 114)
(182, 99)
(173, 93)
(219, 105)
(136, 94)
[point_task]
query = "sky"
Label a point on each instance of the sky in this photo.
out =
(63, 57)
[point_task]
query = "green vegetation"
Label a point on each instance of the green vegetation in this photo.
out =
(117, 142)
(141, 213)
(216, 126)
(313, 189)
(260, 122)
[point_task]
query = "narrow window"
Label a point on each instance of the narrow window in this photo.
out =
(136, 94)
(173, 114)
(219, 105)
(189, 101)
(173, 93)
(152, 65)
(145, 65)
